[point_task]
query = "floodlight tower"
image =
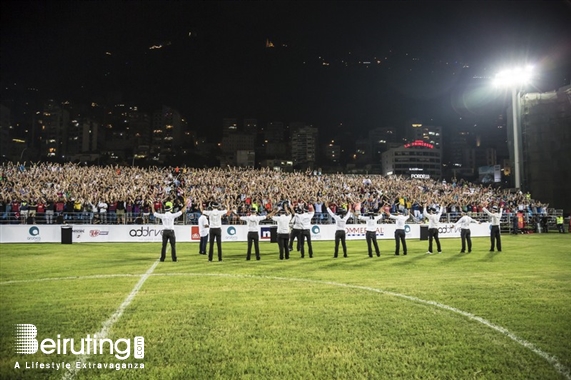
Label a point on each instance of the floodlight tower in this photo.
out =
(515, 79)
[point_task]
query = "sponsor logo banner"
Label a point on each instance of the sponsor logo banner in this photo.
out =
(194, 233)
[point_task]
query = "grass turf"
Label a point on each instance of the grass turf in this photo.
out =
(318, 318)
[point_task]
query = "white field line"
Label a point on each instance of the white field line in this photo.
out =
(104, 332)
(522, 342)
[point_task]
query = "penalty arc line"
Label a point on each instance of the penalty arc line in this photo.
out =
(530, 346)
(104, 332)
(549, 358)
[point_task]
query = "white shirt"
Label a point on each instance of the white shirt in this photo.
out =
(203, 225)
(283, 223)
(371, 222)
(464, 222)
(102, 207)
(433, 219)
(253, 222)
(340, 222)
(400, 220)
(306, 220)
(168, 219)
(297, 225)
(215, 217)
(494, 217)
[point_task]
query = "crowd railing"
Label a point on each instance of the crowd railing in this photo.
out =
(510, 221)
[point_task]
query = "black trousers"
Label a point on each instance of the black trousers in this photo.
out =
(466, 236)
(371, 237)
(340, 237)
(253, 237)
(168, 237)
(215, 234)
(305, 234)
(294, 234)
(495, 238)
(433, 234)
(400, 238)
(283, 240)
(203, 243)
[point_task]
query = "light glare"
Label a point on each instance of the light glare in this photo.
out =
(516, 76)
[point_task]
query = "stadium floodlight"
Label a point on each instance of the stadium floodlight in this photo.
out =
(514, 79)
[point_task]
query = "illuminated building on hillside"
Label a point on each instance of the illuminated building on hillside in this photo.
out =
(54, 123)
(168, 131)
(427, 133)
(304, 145)
(416, 159)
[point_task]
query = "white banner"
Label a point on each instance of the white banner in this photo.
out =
(87, 233)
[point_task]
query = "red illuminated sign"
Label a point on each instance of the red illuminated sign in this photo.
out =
(419, 143)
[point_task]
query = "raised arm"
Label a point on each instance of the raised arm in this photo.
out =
(185, 200)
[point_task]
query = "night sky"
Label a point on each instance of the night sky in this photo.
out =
(435, 59)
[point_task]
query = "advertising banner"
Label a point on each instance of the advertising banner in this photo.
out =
(87, 233)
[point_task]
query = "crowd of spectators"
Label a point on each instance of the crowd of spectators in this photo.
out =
(51, 193)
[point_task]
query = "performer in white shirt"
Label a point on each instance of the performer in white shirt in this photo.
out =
(295, 233)
(203, 228)
(371, 231)
(400, 234)
(215, 232)
(283, 219)
(253, 222)
(433, 224)
(306, 231)
(168, 219)
(495, 218)
(465, 233)
(340, 223)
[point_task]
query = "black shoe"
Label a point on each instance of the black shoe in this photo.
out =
(469, 251)
(397, 254)
(370, 255)
(344, 255)
(491, 250)
(175, 260)
(404, 254)
(378, 255)
(219, 259)
(203, 253)
(161, 261)
(258, 258)
(499, 250)
(247, 259)
(462, 251)
(334, 256)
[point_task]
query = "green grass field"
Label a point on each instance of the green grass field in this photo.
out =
(444, 316)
